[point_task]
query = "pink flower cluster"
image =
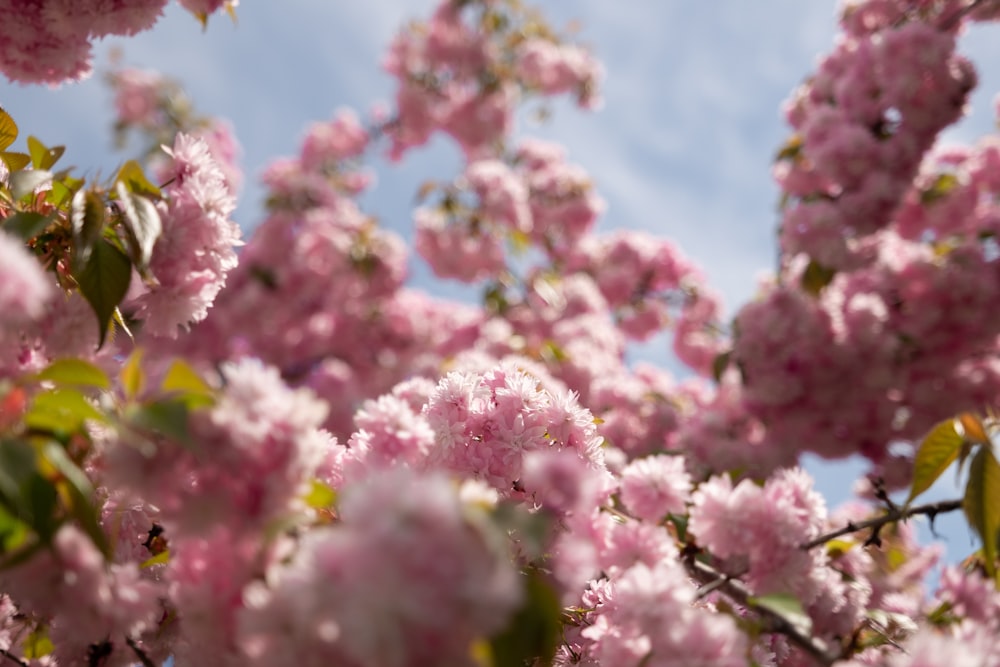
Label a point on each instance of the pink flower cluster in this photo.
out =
(50, 41)
(484, 425)
(463, 72)
(196, 249)
(863, 123)
(408, 577)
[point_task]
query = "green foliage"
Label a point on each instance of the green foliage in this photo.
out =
(74, 372)
(132, 378)
(183, 384)
(320, 495)
(43, 157)
(8, 133)
(133, 179)
(534, 632)
(816, 277)
(37, 644)
(62, 411)
(104, 281)
(939, 189)
(26, 225)
(982, 503)
(787, 606)
(935, 454)
(87, 223)
(720, 364)
(167, 417)
(23, 183)
(142, 226)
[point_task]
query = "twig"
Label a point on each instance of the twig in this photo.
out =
(13, 658)
(894, 514)
(953, 20)
(139, 653)
(736, 589)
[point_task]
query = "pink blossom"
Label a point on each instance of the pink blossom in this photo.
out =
(655, 486)
(25, 288)
(195, 251)
(340, 139)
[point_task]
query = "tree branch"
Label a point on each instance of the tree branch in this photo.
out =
(960, 14)
(737, 590)
(139, 653)
(13, 658)
(894, 514)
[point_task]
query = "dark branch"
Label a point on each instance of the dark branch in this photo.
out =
(954, 19)
(894, 514)
(139, 653)
(13, 658)
(736, 589)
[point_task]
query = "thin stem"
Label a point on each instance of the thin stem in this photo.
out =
(13, 658)
(735, 589)
(139, 653)
(894, 514)
(953, 20)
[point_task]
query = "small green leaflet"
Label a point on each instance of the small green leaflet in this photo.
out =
(534, 631)
(23, 183)
(43, 157)
(936, 452)
(61, 410)
(104, 281)
(982, 503)
(786, 606)
(74, 372)
(142, 225)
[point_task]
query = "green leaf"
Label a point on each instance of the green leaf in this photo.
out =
(37, 644)
(534, 632)
(39, 503)
(87, 220)
(43, 157)
(74, 372)
(837, 548)
(142, 224)
(13, 531)
(939, 189)
(61, 410)
(184, 384)
(320, 496)
(552, 353)
(720, 364)
(936, 452)
(26, 225)
(166, 417)
(161, 558)
(982, 503)
(64, 187)
(24, 182)
(786, 606)
(791, 149)
(8, 130)
(17, 462)
(816, 277)
(80, 491)
(104, 281)
(134, 180)
(132, 378)
(14, 160)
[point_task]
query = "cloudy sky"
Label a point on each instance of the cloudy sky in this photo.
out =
(681, 148)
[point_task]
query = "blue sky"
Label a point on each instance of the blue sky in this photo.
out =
(681, 148)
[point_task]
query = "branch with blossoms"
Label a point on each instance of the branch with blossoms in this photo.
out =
(13, 658)
(777, 622)
(893, 515)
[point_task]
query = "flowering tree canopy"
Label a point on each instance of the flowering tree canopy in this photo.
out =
(273, 451)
